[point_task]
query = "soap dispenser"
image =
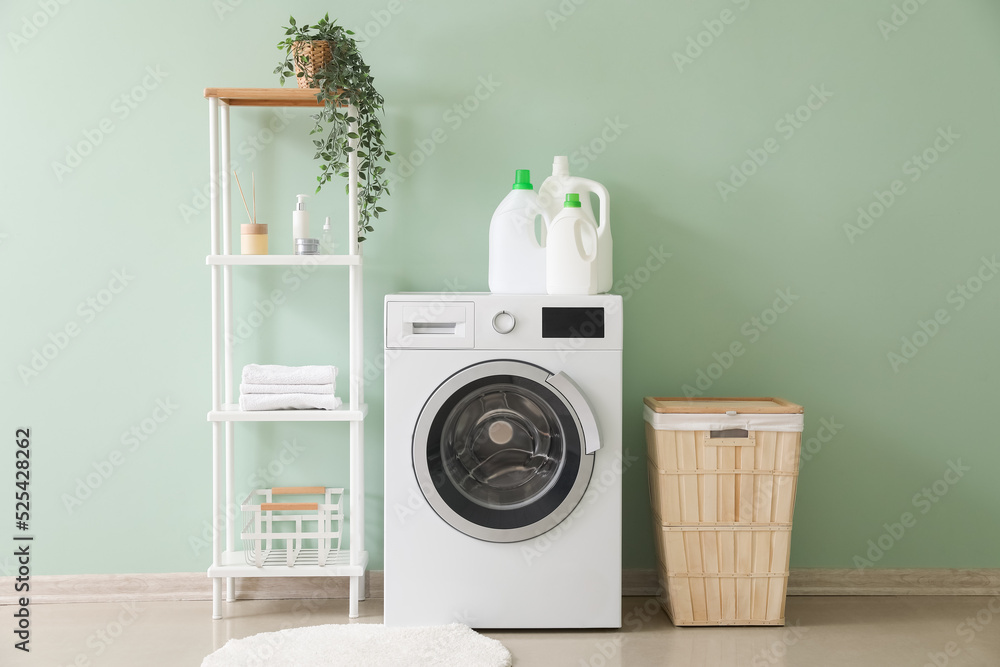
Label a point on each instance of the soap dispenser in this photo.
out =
(300, 220)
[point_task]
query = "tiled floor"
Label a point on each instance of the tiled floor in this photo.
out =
(821, 631)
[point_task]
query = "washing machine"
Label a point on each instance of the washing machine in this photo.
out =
(503, 460)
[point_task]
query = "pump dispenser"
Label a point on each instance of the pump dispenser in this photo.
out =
(300, 220)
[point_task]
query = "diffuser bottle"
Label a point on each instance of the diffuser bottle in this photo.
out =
(253, 239)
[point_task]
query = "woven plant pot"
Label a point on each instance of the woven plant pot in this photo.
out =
(310, 57)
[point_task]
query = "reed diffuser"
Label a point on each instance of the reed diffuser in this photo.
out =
(253, 237)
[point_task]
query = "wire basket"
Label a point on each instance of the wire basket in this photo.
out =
(292, 533)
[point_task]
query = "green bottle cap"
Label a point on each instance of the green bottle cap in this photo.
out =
(522, 179)
(572, 200)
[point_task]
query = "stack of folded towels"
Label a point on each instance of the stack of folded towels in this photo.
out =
(267, 387)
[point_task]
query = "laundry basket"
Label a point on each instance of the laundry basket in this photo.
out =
(722, 478)
(292, 533)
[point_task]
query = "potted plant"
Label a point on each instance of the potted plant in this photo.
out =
(325, 57)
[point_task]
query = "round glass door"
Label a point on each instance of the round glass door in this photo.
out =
(499, 452)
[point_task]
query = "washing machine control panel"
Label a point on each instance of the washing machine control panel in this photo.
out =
(504, 322)
(483, 321)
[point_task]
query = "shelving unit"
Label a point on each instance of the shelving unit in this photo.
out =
(283, 260)
(228, 562)
(230, 412)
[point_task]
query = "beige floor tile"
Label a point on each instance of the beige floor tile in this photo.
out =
(821, 632)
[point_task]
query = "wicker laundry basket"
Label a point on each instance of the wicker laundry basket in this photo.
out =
(722, 477)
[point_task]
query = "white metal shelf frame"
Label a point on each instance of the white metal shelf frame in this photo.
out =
(225, 566)
(231, 412)
(283, 260)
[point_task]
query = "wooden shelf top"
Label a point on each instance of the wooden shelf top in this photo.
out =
(265, 97)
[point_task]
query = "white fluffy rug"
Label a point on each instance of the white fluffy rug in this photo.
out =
(363, 645)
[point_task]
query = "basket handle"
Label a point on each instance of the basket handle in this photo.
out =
(296, 490)
(267, 507)
(731, 437)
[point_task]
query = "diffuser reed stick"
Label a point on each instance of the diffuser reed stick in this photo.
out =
(253, 220)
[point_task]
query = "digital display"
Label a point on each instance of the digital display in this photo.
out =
(572, 323)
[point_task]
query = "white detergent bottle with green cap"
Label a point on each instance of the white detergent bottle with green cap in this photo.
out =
(552, 195)
(517, 255)
(571, 251)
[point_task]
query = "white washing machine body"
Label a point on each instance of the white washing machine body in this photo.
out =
(503, 460)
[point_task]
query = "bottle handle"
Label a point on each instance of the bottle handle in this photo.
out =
(585, 184)
(537, 212)
(605, 198)
(578, 225)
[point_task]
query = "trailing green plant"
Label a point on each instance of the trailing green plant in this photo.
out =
(344, 79)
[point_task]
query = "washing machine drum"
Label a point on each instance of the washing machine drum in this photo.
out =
(499, 450)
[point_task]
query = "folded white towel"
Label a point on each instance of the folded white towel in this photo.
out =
(246, 388)
(250, 402)
(272, 374)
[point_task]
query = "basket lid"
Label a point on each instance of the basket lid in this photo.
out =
(716, 406)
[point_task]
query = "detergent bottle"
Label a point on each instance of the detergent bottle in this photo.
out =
(552, 196)
(571, 251)
(517, 257)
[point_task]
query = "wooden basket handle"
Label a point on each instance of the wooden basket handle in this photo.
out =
(267, 507)
(731, 437)
(297, 490)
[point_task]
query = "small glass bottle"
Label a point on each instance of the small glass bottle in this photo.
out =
(326, 240)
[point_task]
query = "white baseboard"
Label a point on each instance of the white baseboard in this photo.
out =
(60, 589)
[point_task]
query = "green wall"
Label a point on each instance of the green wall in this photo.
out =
(627, 92)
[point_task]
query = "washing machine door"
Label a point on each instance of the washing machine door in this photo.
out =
(504, 450)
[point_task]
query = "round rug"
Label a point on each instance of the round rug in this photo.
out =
(363, 645)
